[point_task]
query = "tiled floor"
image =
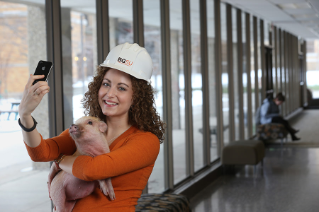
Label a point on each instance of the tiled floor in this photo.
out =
(288, 182)
(26, 194)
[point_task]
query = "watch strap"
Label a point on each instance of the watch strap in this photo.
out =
(28, 129)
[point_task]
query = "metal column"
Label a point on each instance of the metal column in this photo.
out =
(188, 88)
(167, 91)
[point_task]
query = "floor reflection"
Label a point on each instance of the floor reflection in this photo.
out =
(287, 182)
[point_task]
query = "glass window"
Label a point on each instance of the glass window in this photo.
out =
(266, 33)
(274, 59)
(284, 70)
(224, 79)
(279, 60)
(178, 98)
(259, 63)
(252, 74)
(152, 39)
(121, 22)
(244, 75)
(23, 44)
(78, 55)
(313, 68)
(235, 74)
(197, 94)
(214, 145)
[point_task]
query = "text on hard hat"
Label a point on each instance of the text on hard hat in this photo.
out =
(125, 61)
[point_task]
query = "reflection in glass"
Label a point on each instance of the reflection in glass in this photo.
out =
(225, 97)
(197, 94)
(121, 22)
(152, 39)
(214, 145)
(23, 44)
(178, 98)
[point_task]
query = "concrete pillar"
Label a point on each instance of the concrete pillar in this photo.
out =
(37, 51)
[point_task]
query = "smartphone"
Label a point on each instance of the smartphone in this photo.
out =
(43, 68)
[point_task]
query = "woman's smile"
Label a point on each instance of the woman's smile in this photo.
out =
(110, 103)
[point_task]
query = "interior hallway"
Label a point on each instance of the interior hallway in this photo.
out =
(288, 182)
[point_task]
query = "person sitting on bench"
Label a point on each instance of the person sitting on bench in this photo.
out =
(269, 113)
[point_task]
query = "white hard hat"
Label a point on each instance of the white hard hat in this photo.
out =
(131, 59)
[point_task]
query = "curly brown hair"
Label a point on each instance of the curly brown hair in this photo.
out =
(142, 113)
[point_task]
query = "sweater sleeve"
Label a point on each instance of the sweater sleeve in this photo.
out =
(50, 149)
(139, 151)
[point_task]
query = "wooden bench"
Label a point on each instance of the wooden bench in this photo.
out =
(163, 202)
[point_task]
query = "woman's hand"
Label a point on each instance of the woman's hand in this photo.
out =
(32, 95)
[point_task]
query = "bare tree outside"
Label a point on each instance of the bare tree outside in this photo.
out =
(13, 48)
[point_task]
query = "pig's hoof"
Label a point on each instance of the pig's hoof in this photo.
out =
(112, 196)
(105, 192)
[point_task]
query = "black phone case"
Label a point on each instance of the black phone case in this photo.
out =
(43, 68)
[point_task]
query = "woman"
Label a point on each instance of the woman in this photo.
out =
(122, 96)
(269, 113)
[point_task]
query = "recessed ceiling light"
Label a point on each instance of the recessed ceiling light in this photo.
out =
(304, 5)
(310, 22)
(303, 16)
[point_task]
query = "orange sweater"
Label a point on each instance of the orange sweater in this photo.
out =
(129, 164)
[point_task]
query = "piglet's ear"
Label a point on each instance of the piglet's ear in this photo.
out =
(102, 126)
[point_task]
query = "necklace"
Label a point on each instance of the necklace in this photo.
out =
(109, 142)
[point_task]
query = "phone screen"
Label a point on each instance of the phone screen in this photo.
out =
(43, 68)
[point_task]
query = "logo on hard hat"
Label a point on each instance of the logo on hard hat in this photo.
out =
(125, 61)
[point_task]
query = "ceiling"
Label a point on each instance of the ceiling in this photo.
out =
(299, 17)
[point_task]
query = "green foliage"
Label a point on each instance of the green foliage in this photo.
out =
(313, 87)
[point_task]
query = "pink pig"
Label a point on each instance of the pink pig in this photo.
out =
(65, 189)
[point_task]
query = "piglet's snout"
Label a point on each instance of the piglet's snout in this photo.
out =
(73, 128)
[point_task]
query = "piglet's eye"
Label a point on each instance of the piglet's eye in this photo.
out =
(90, 123)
